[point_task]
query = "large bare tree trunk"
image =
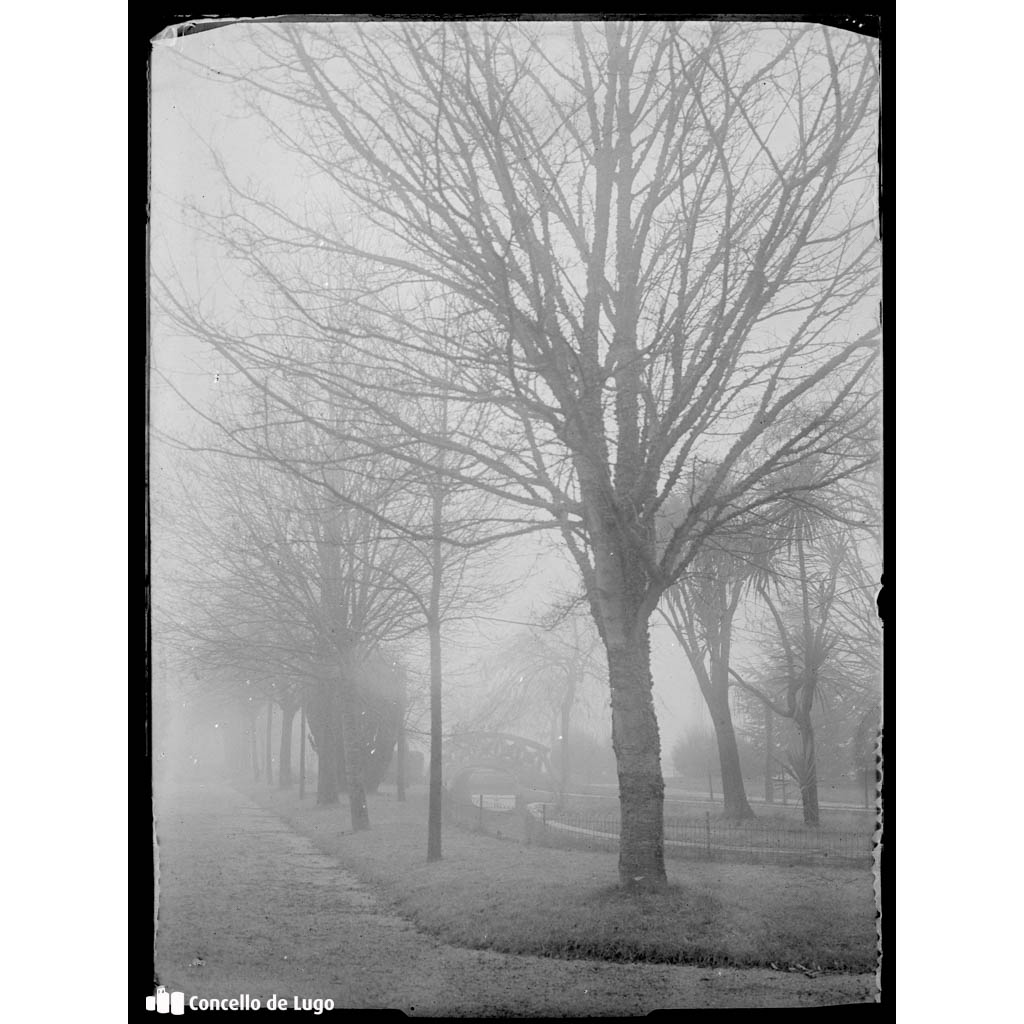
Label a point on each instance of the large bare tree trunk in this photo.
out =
(638, 755)
(617, 588)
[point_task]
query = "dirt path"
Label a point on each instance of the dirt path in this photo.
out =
(266, 913)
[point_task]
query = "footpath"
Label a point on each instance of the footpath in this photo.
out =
(249, 908)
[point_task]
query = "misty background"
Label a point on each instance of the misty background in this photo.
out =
(204, 134)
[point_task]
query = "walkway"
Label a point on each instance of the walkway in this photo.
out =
(249, 907)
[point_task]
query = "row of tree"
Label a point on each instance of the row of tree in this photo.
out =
(797, 601)
(297, 583)
(801, 590)
(616, 280)
(811, 638)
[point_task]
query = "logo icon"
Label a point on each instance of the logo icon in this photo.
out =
(166, 1002)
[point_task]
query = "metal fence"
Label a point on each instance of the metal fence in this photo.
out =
(707, 838)
(505, 823)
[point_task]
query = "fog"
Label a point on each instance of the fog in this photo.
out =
(515, 516)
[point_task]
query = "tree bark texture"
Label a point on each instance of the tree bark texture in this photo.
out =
(617, 590)
(638, 754)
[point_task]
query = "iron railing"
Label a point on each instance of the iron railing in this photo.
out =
(702, 837)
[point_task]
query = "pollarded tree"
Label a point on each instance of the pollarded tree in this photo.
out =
(662, 234)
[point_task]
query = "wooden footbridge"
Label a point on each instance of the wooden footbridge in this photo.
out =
(526, 761)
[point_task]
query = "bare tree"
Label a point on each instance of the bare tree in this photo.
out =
(454, 526)
(806, 645)
(285, 588)
(660, 237)
(701, 610)
(400, 497)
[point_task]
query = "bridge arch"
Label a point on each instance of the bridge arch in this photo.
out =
(527, 761)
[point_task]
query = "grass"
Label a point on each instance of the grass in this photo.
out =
(488, 893)
(773, 816)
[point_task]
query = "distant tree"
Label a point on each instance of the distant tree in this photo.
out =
(804, 642)
(701, 610)
(278, 584)
(761, 733)
(694, 753)
(446, 540)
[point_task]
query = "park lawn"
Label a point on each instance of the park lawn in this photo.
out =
(767, 816)
(499, 894)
